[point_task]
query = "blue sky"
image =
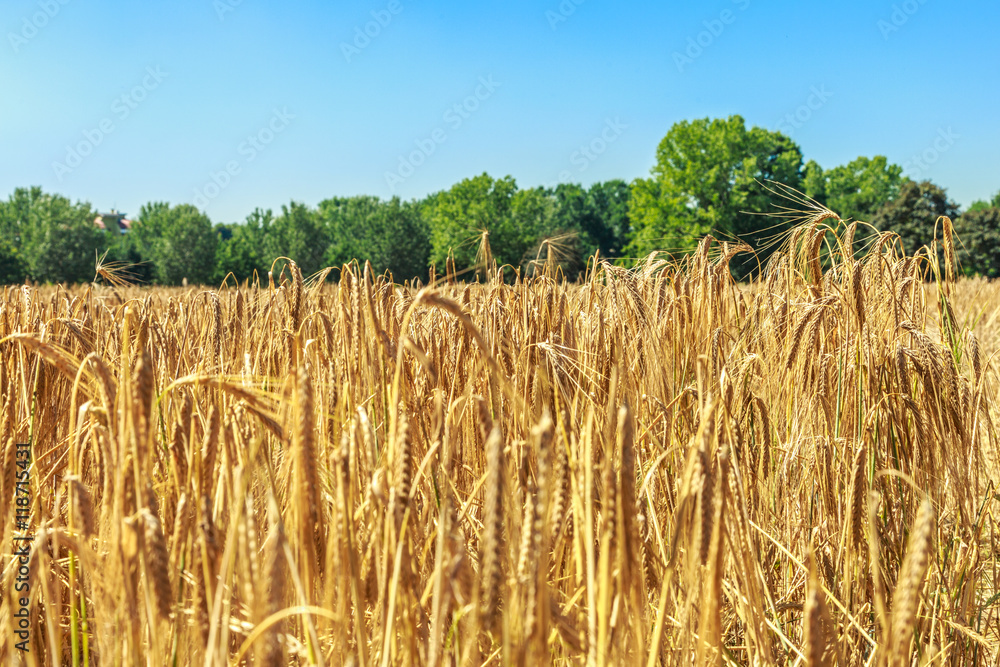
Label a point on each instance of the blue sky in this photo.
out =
(234, 104)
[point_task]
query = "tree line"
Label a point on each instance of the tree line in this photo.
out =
(711, 176)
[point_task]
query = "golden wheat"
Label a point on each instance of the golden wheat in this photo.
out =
(654, 465)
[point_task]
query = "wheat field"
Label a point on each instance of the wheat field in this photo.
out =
(655, 466)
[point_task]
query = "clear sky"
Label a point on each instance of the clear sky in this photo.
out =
(121, 103)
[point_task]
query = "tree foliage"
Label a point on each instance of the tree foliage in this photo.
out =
(982, 204)
(243, 254)
(12, 267)
(914, 213)
(299, 234)
(606, 219)
(979, 241)
(598, 217)
(708, 178)
(391, 235)
(460, 217)
(855, 190)
(713, 176)
(50, 238)
(179, 242)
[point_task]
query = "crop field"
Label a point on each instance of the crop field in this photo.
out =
(652, 466)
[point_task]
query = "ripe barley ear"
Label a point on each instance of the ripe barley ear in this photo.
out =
(271, 650)
(491, 550)
(157, 563)
(856, 500)
(82, 507)
(818, 631)
(906, 599)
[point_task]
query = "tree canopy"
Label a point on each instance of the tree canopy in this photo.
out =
(708, 178)
(179, 242)
(857, 189)
(47, 237)
(914, 213)
(979, 234)
(711, 175)
(391, 235)
(982, 204)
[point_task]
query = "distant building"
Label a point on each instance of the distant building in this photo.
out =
(113, 220)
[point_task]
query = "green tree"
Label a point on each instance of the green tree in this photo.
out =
(127, 253)
(814, 181)
(599, 216)
(459, 216)
(661, 219)
(12, 268)
(856, 190)
(571, 226)
(392, 235)
(914, 212)
(404, 240)
(347, 221)
(981, 204)
(242, 253)
(608, 223)
(52, 239)
(979, 241)
(299, 234)
(15, 214)
(179, 242)
(148, 228)
(571, 209)
(707, 177)
(536, 232)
